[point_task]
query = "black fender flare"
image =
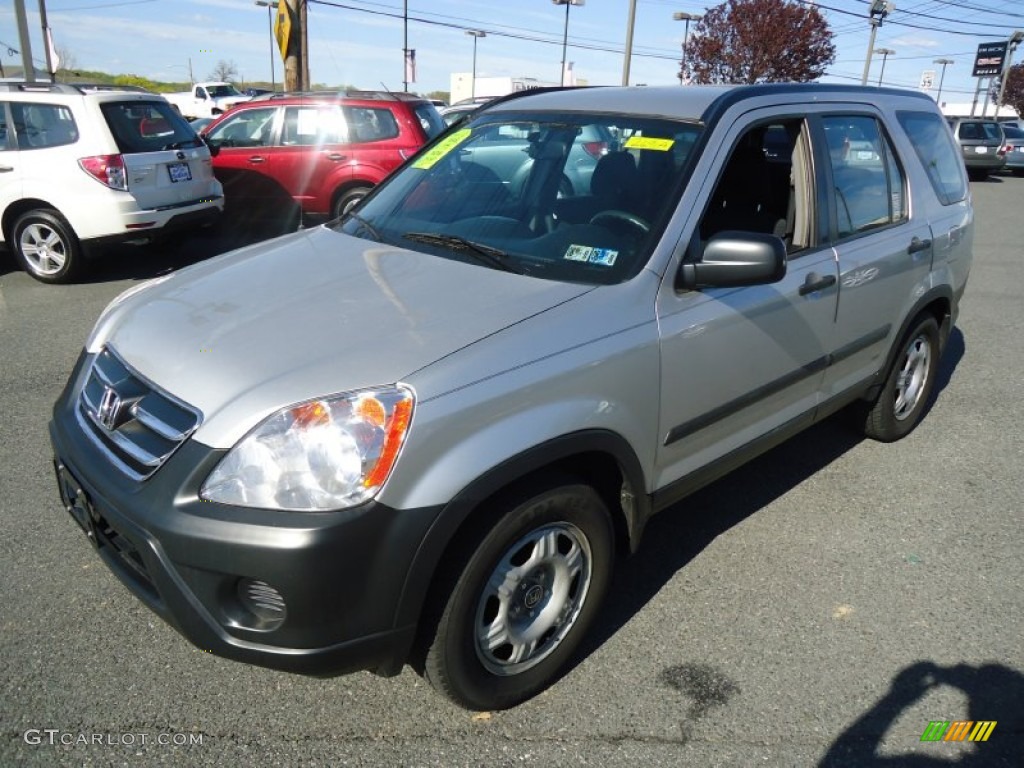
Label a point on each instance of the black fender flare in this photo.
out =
(445, 527)
(943, 292)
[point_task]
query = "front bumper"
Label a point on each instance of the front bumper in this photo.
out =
(340, 575)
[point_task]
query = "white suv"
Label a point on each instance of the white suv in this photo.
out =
(84, 166)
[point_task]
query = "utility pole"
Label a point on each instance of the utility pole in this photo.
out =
(629, 42)
(287, 28)
(304, 45)
(405, 47)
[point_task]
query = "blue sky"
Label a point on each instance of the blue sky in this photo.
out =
(360, 43)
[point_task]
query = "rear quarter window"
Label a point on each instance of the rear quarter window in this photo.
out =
(147, 126)
(933, 144)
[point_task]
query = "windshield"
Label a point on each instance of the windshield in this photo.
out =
(217, 91)
(573, 197)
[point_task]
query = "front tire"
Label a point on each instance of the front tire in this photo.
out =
(908, 388)
(527, 595)
(47, 247)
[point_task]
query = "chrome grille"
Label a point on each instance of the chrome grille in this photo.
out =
(135, 423)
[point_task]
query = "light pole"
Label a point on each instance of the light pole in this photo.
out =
(476, 34)
(876, 14)
(565, 34)
(270, 24)
(1015, 39)
(886, 53)
(687, 17)
(944, 63)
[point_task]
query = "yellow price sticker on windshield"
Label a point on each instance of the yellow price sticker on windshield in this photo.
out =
(647, 142)
(430, 159)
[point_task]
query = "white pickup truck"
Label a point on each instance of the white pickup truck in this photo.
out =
(206, 99)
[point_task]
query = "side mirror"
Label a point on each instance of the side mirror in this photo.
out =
(733, 259)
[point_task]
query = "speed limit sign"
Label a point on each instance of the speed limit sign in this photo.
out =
(927, 79)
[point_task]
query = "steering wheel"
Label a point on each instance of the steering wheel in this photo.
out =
(613, 215)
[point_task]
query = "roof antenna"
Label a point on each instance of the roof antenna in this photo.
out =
(385, 87)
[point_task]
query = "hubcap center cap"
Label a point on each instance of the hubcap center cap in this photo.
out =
(533, 596)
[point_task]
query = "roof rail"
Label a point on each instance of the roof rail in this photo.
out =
(341, 94)
(36, 87)
(48, 87)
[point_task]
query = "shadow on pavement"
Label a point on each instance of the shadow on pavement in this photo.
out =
(995, 693)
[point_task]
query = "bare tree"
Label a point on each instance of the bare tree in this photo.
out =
(66, 58)
(226, 71)
(759, 41)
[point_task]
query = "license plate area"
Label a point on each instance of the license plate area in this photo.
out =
(76, 502)
(179, 172)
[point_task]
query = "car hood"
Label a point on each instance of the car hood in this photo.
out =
(307, 315)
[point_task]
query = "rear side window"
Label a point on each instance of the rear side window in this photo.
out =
(43, 125)
(370, 124)
(867, 182)
(934, 146)
(147, 126)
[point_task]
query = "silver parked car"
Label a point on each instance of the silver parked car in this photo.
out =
(425, 432)
(981, 145)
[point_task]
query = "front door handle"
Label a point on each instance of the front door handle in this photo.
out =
(5, 169)
(816, 282)
(917, 244)
(257, 159)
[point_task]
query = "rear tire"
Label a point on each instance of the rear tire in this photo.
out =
(46, 246)
(908, 387)
(528, 592)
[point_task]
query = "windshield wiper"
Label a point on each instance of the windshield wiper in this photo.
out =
(485, 253)
(183, 144)
(365, 225)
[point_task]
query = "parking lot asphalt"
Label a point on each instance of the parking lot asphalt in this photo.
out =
(818, 607)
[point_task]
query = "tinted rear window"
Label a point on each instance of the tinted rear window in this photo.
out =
(147, 126)
(430, 119)
(980, 131)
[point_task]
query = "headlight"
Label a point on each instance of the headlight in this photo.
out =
(329, 453)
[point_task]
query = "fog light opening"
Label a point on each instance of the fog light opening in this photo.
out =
(264, 603)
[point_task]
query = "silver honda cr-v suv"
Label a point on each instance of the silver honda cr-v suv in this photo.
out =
(422, 433)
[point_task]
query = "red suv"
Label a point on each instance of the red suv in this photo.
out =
(324, 150)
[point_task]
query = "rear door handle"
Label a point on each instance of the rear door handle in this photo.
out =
(917, 244)
(5, 169)
(336, 157)
(257, 159)
(816, 282)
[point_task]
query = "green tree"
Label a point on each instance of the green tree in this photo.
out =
(444, 96)
(759, 41)
(136, 80)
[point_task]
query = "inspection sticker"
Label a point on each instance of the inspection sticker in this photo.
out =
(430, 159)
(648, 142)
(585, 253)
